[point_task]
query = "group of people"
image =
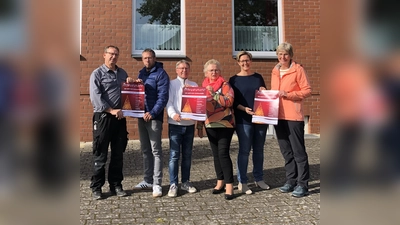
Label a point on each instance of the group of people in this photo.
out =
(229, 108)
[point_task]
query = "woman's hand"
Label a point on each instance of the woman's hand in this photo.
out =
(200, 133)
(248, 110)
(210, 89)
(282, 94)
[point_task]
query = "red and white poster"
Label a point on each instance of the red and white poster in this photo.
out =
(194, 103)
(132, 99)
(266, 106)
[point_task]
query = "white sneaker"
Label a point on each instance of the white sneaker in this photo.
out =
(187, 186)
(244, 189)
(157, 191)
(143, 186)
(262, 185)
(173, 191)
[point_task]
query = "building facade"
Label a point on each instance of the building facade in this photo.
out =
(199, 30)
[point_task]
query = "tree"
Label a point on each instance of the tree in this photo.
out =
(256, 13)
(161, 11)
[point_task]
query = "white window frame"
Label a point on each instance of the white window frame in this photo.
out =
(162, 53)
(260, 54)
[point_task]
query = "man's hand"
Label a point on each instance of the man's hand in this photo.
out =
(147, 117)
(117, 112)
(177, 117)
(131, 80)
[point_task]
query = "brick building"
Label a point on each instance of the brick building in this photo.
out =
(199, 30)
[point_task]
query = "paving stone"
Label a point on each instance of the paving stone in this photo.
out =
(123, 221)
(262, 207)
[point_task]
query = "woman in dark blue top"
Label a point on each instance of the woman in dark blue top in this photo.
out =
(245, 84)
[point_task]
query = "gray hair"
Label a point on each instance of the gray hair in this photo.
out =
(182, 61)
(110, 46)
(211, 62)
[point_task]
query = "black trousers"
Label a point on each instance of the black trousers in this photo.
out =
(108, 130)
(290, 136)
(220, 142)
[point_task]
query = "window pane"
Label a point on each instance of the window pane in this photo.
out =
(256, 25)
(158, 25)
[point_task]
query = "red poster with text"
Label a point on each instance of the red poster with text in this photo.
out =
(266, 106)
(133, 99)
(194, 103)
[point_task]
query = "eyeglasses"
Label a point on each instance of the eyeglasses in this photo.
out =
(215, 71)
(183, 68)
(112, 53)
(244, 61)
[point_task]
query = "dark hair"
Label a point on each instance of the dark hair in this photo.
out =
(151, 51)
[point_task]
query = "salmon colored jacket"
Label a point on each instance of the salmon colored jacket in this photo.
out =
(295, 83)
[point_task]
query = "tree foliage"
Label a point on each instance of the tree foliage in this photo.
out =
(247, 12)
(256, 13)
(161, 11)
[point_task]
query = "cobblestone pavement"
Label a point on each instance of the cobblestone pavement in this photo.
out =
(262, 207)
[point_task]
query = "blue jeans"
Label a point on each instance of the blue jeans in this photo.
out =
(180, 138)
(150, 143)
(251, 135)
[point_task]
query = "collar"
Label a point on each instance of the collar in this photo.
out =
(106, 69)
(181, 80)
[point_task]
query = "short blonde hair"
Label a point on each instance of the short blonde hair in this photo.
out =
(285, 46)
(212, 62)
(242, 53)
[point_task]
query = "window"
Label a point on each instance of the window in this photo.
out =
(159, 25)
(13, 28)
(257, 27)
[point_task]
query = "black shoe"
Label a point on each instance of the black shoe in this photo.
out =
(228, 197)
(217, 191)
(118, 191)
(97, 195)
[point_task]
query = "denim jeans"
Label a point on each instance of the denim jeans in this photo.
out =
(180, 140)
(150, 143)
(251, 135)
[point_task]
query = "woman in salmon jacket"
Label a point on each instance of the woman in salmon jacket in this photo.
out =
(292, 82)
